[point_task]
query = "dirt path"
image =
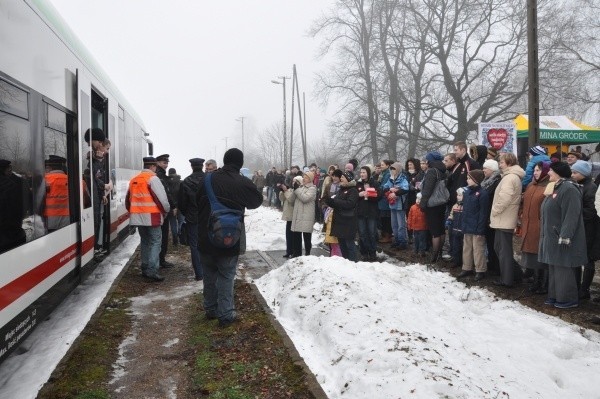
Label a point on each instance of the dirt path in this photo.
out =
(154, 358)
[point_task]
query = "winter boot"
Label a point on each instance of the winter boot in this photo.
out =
(386, 238)
(588, 277)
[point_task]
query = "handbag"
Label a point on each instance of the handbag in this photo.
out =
(440, 193)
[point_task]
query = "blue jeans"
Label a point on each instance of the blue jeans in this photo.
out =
(399, 227)
(420, 240)
(348, 248)
(219, 276)
(271, 195)
(192, 230)
(150, 248)
(367, 233)
(176, 222)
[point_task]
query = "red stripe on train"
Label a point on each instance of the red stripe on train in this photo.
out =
(121, 219)
(21, 285)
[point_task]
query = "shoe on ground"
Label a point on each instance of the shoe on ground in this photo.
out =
(479, 276)
(566, 305)
(154, 277)
(224, 323)
(210, 316)
(499, 283)
(199, 278)
(550, 301)
(287, 255)
(584, 294)
(166, 264)
(464, 274)
(595, 320)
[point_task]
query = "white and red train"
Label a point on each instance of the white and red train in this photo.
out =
(51, 92)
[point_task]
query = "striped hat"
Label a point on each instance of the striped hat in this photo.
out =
(537, 150)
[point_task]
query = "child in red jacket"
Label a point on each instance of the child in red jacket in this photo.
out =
(417, 223)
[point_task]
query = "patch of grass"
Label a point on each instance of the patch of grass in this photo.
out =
(246, 360)
(84, 374)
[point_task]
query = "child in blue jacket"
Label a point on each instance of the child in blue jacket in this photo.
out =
(475, 209)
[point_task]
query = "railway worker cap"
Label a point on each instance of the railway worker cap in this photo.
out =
(196, 162)
(163, 157)
(582, 167)
(235, 157)
(97, 135)
(561, 168)
(54, 160)
(149, 161)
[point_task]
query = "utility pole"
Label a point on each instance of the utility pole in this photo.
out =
(241, 119)
(533, 73)
(283, 78)
(226, 146)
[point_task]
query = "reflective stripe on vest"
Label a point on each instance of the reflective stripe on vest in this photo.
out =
(140, 199)
(57, 195)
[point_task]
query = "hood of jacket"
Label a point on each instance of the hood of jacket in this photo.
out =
(515, 170)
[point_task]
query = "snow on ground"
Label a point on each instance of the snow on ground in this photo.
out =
(379, 330)
(22, 375)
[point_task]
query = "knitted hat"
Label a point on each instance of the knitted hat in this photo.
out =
(562, 169)
(582, 167)
(349, 175)
(537, 150)
(234, 157)
(460, 191)
(477, 175)
(492, 151)
(491, 164)
(433, 156)
(297, 179)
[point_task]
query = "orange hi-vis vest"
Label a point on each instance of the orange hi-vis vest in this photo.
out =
(140, 199)
(57, 195)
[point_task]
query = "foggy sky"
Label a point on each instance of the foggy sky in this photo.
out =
(191, 68)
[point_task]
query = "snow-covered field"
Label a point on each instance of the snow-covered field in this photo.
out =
(382, 330)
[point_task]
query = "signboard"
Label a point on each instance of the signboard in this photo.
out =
(501, 136)
(559, 129)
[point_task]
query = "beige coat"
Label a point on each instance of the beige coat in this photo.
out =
(303, 217)
(507, 198)
(287, 199)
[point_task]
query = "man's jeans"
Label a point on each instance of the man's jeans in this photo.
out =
(399, 227)
(270, 199)
(150, 248)
(219, 275)
(192, 233)
(367, 232)
(176, 222)
(348, 248)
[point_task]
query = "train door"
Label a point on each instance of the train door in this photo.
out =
(86, 196)
(100, 121)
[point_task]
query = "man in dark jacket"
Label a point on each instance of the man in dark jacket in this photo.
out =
(162, 163)
(465, 164)
(236, 192)
(581, 173)
(189, 209)
(177, 218)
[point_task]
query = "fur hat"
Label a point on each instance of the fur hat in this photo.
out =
(561, 168)
(582, 167)
(433, 156)
(491, 164)
(235, 157)
(460, 191)
(310, 175)
(297, 179)
(97, 135)
(537, 150)
(477, 176)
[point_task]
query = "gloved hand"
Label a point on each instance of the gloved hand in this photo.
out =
(564, 243)
(448, 224)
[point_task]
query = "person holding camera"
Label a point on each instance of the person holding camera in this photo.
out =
(287, 198)
(303, 215)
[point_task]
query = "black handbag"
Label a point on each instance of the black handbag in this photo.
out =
(440, 193)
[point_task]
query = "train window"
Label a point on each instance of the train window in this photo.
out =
(56, 119)
(13, 100)
(16, 170)
(56, 202)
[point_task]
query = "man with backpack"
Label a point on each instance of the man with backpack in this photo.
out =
(235, 192)
(189, 209)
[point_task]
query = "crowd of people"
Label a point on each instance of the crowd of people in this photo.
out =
(471, 202)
